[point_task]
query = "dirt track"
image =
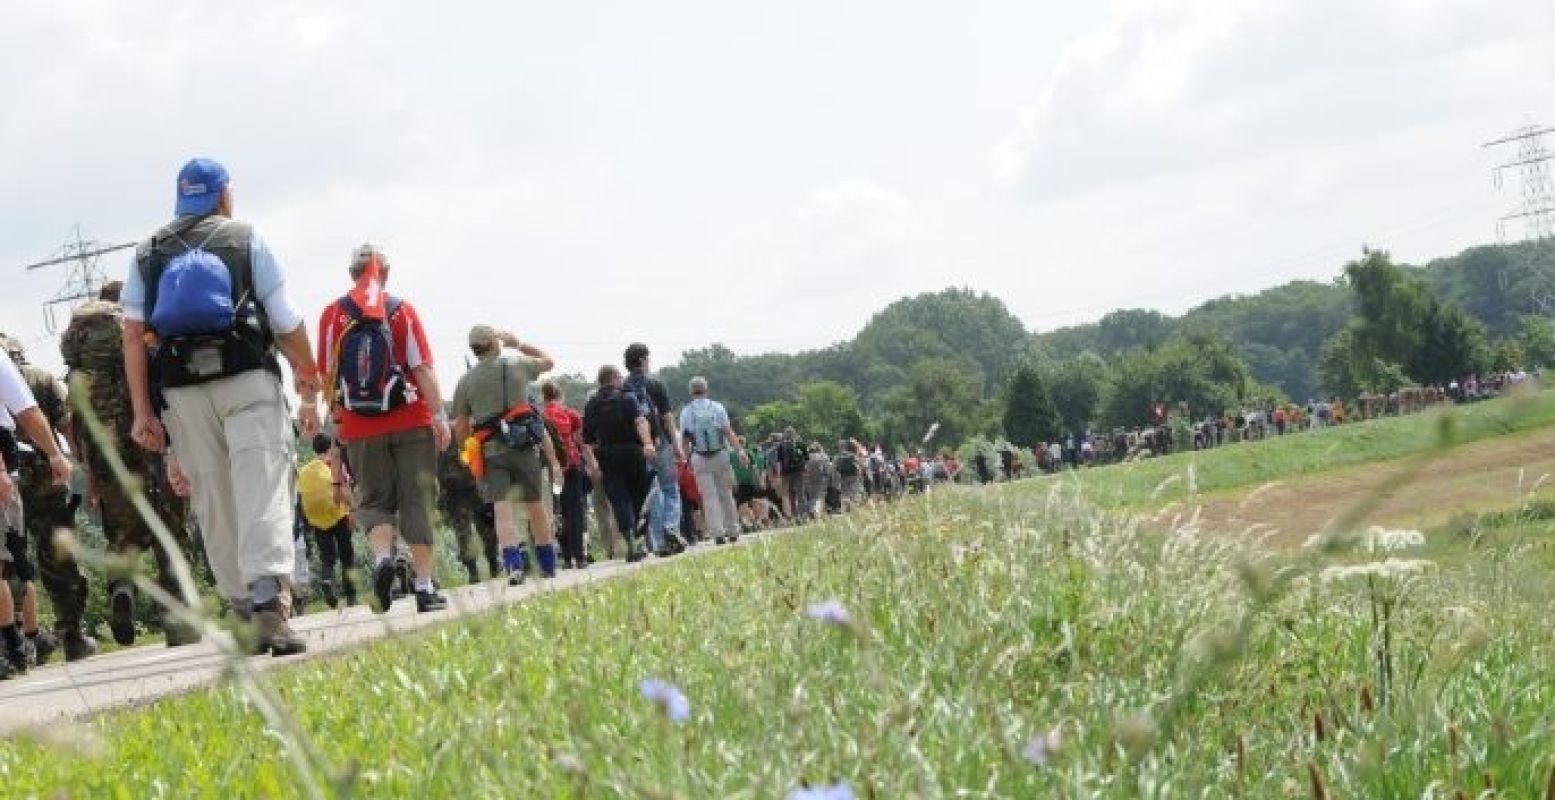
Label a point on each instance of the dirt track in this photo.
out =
(1481, 476)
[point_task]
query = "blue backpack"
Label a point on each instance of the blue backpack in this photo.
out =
(366, 379)
(203, 308)
(194, 295)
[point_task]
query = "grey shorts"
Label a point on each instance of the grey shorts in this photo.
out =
(512, 475)
(396, 481)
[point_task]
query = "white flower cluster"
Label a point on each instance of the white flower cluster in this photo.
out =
(1376, 539)
(1395, 568)
(1388, 540)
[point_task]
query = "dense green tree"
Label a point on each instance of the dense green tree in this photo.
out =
(1029, 413)
(1198, 374)
(829, 412)
(773, 417)
(1077, 386)
(1451, 346)
(955, 324)
(1507, 355)
(1536, 335)
(938, 391)
(1132, 329)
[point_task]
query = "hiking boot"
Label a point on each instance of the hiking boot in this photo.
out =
(43, 646)
(383, 587)
(78, 645)
(16, 657)
(515, 578)
(675, 543)
(121, 613)
(431, 601)
(718, 540)
(636, 555)
(272, 633)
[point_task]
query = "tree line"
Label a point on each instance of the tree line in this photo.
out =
(959, 358)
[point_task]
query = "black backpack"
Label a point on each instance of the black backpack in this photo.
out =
(365, 377)
(637, 387)
(846, 464)
(791, 457)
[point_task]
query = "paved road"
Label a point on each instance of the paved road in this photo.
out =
(142, 674)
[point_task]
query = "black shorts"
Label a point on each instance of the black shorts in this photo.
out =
(744, 493)
(21, 567)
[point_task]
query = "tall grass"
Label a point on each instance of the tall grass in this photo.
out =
(989, 632)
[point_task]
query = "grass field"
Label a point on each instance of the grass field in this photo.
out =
(1161, 480)
(1021, 643)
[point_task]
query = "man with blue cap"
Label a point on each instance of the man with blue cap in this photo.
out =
(205, 309)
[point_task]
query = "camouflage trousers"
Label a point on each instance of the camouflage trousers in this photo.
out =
(47, 510)
(124, 528)
(475, 528)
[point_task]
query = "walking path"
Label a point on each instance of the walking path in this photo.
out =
(1487, 475)
(139, 675)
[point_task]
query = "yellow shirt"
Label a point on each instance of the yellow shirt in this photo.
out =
(316, 486)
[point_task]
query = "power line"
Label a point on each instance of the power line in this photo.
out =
(1532, 163)
(83, 274)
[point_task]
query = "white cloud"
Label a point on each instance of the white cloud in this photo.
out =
(1179, 85)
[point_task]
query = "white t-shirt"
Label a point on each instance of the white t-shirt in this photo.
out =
(15, 397)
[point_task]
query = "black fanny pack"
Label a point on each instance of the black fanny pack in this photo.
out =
(193, 360)
(10, 450)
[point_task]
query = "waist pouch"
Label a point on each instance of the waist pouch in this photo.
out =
(10, 450)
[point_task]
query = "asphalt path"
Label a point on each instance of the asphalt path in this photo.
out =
(139, 675)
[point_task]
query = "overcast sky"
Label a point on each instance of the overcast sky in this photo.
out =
(768, 175)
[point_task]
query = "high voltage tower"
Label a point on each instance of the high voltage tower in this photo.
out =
(83, 274)
(1532, 162)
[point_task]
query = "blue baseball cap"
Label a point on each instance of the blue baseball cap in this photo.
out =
(199, 187)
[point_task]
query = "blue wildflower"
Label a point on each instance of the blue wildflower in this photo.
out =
(841, 791)
(667, 697)
(831, 612)
(1043, 748)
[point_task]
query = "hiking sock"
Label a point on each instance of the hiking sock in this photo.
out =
(513, 559)
(424, 586)
(266, 590)
(546, 555)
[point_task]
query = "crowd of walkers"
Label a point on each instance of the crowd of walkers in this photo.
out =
(178, 390)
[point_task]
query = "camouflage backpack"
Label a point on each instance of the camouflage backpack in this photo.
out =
(92, 340)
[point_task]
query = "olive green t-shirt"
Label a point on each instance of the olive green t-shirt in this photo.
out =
(479, 394)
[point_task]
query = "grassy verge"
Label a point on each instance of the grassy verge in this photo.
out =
(1177, 477)
(1144, 665)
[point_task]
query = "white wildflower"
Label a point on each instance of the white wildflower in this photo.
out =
(1394, 568)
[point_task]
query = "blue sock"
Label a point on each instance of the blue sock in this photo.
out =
(513, 559)
(546, 555)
